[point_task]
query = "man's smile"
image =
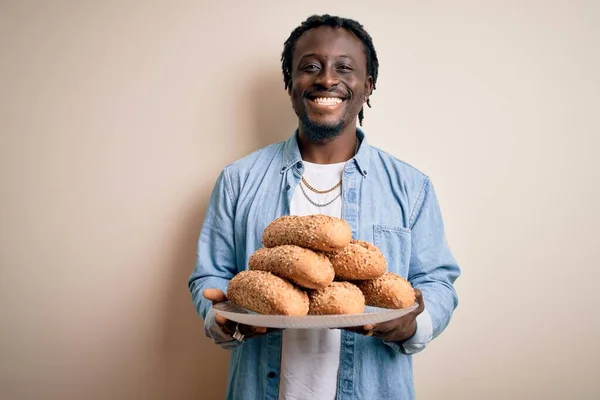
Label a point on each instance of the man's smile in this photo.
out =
(323, 100)
(326, 101)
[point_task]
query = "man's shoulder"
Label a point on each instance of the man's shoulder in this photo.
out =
(393, 162)
(256, 161)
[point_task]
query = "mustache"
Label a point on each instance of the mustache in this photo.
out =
(313, 91)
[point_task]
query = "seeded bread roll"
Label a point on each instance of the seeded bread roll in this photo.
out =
(315, 232)
(265, 293)
(358, 261)
(337, 298)
(301, 266)
(388, 291)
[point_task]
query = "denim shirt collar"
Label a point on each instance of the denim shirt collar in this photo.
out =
(291, 153)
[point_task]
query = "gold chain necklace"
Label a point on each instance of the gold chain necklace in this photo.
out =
(312, 189)
(315, 203)
(324, 191)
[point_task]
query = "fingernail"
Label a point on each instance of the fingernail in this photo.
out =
(368, 327)
(220, 318)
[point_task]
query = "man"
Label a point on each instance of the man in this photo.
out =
(326, 167)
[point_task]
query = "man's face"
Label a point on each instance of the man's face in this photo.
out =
(329, 81)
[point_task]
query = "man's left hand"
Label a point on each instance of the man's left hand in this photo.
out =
(396, 330)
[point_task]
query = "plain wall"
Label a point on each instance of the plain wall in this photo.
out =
(117, 116)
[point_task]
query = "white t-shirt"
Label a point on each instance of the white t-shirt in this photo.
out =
(310, 358)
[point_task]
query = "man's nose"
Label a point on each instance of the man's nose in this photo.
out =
(327, 78)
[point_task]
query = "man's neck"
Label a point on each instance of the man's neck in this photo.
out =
(339, 149)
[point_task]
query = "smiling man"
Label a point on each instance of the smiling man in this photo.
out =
(326, 74)
(328, 83)
(326, 166)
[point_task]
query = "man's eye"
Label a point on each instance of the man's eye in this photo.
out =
(345, 67)
(310, 67)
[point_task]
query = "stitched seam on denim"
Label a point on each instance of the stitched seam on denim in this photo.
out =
(418, 204)
(228, 188)
(393, 228)
(376, 236)
(284, 159)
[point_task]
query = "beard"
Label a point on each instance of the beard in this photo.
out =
(318, 133)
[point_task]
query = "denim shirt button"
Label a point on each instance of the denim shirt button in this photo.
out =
(271, 374)
(298, 165)
(352, 195)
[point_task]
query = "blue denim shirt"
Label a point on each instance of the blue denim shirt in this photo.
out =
(386, 202)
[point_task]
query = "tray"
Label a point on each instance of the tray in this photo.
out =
(372, 315)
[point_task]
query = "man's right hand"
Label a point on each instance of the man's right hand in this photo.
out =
(227, 326)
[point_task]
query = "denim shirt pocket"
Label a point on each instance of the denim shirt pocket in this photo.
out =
(394, 242)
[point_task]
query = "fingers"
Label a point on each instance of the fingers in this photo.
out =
(356, 329)
(221, 320)
(249, 331)
(384, 326)
(381, 330)
(217, 296)
(390, 329)
(214, 295)
(255, 331)
(366, 330)
(259, 329)
(227, 326)
(419, 299)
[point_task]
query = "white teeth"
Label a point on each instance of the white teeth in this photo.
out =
(328, 101)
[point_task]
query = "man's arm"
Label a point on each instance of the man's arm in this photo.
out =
(433, 270)
(215, 258)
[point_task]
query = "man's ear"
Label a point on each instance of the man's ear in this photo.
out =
(368, 87)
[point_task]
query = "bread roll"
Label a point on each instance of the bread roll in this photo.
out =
(388, 291)
(265, 293)
(337, 298)
(301, 266)
(358, 261)
(315, 232)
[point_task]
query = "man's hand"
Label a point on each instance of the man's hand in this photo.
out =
(227, 326)
(396, 330)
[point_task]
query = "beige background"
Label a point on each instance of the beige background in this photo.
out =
(116, 118)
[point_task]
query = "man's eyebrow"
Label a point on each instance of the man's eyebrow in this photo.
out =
(308, 55)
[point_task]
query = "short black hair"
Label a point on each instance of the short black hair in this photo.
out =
(316, 21)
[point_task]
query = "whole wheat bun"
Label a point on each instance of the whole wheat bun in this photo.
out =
(337, 298)
(388, 291)
(315, 232)
(301, 266)
(265, 293)
(359, 260)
